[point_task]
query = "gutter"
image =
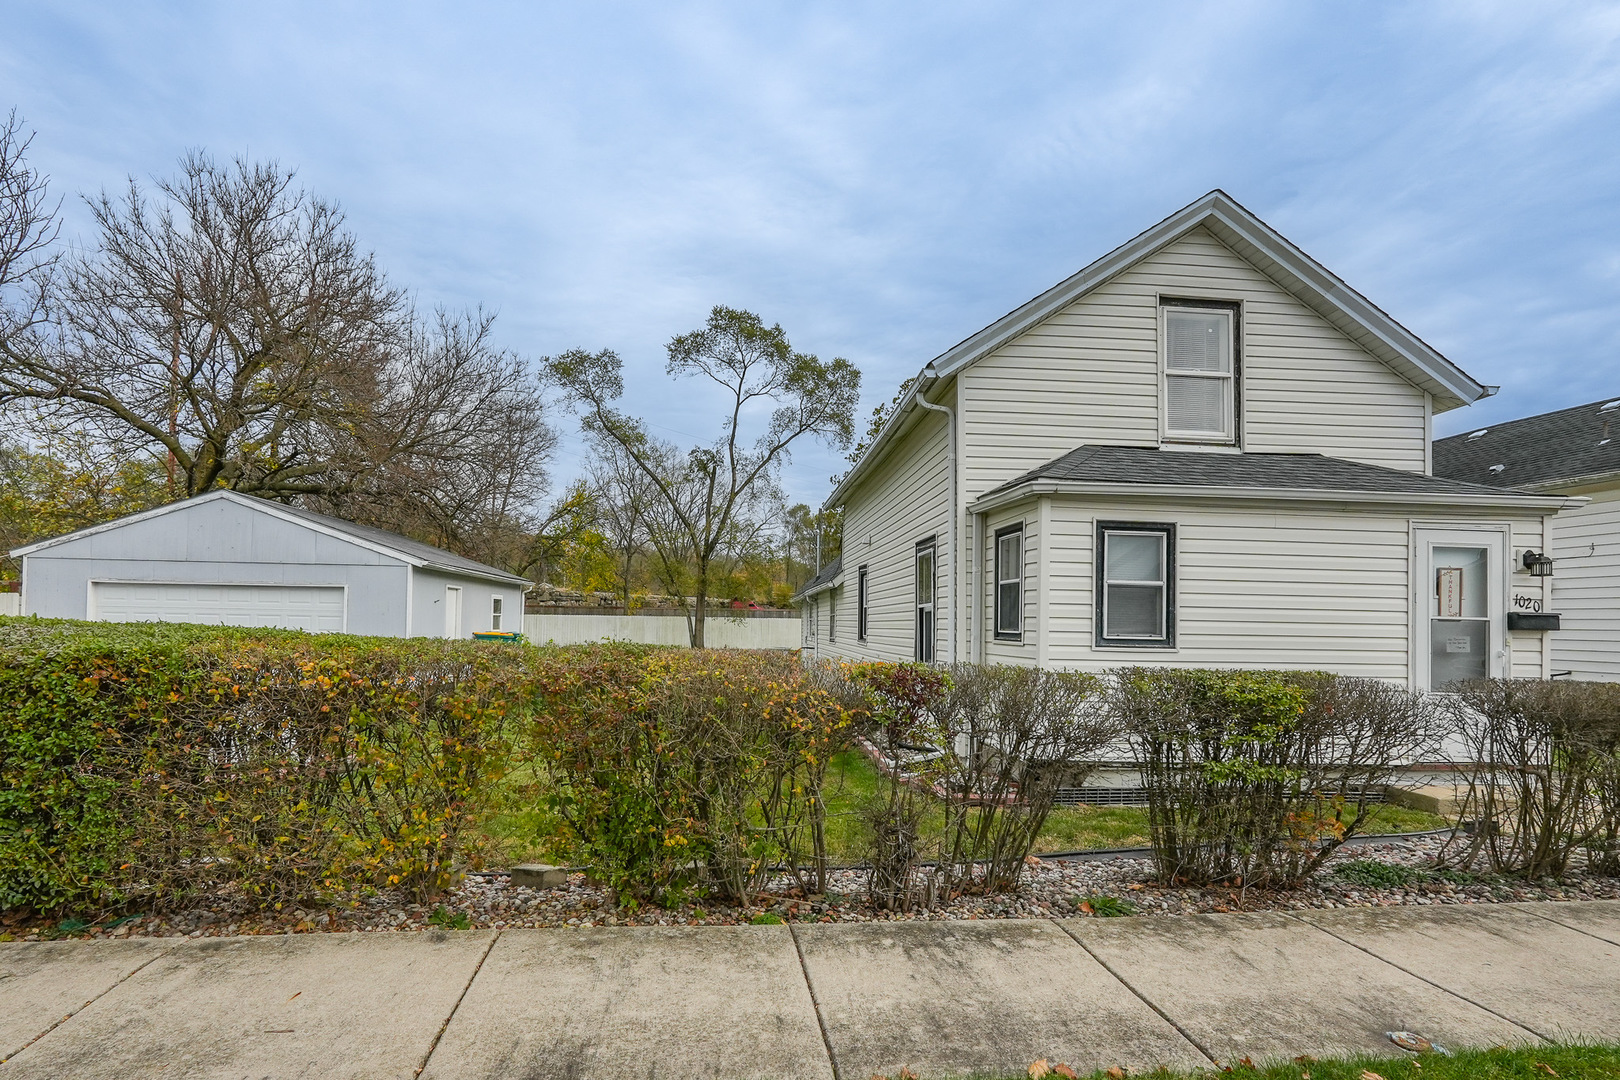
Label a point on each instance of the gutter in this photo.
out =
(997, 499)
(956, 502)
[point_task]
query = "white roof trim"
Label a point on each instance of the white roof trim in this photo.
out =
(1505, 500)
(1256, 242)
(267, 507)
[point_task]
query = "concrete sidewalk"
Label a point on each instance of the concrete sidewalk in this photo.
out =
(822, 1001)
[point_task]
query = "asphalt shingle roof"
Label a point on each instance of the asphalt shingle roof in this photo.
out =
(1537, 450)
(433, 556)
(1305, 472)
(826, 575)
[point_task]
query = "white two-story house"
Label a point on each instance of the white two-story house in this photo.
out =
(1203, 449)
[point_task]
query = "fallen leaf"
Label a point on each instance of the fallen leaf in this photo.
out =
(1548, 1068)
(1038, 1069)
(1367, 1074)
(295, 995)
(1085, 906)
(1245, 1062)
(1063, 1070)
(1115, 1073)
(1304, 1059)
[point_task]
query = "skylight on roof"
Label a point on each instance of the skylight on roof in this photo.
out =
(1497, 468)
(1477, 434)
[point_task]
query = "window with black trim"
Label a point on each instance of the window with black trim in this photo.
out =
(924, 640)
(860, 604)
(1136, 584)
(1201, 367)
(1010, 583)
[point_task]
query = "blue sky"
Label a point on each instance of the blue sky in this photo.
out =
(885, 179)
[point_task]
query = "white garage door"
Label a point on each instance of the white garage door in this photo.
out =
(317, 608)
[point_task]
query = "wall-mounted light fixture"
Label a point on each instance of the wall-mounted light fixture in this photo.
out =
(1538, 563)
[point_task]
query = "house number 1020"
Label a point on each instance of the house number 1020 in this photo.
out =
(1527, 603)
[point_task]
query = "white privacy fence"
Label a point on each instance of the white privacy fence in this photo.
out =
(11, 604)
(719, 632)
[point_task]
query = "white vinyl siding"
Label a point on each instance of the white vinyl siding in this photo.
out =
(1258, 585)
(1586, 588)
(1091, 374)
(902, 501)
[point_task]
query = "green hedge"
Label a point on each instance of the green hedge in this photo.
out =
(147, 764)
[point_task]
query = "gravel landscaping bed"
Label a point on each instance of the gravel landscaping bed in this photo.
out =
(1052, 887)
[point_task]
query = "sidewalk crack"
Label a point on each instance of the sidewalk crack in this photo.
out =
(1420, 978)
(434, 1045)
(160, 953)
(1143, 998)
(1567, 926)
(815, 1003)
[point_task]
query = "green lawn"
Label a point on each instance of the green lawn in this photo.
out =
(524, 831)
(1596, 1062)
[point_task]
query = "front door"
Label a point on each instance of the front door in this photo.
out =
(1461, 605)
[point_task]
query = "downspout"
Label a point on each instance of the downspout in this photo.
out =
(956, 525)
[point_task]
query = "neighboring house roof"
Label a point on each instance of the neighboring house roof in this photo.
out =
(381, 540)
(1549, 450)
(825, 579)
(1145, 471)
(1263, 247)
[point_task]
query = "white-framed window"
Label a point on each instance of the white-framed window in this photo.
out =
(832, 614)
(495, 606)
(1201, 363)
(1010, 583)
(924, 640)
(860, 604)
(1136, 584)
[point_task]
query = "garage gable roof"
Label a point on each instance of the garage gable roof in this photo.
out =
(379, 540)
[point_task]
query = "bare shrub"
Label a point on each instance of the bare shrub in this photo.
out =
(1543, 779)
(1018, 734)
(903, 727)
(1255, 777)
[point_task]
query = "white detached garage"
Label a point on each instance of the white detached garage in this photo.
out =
(229, 559)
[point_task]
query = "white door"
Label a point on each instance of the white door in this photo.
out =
(316, 608)
(452, 611)
(1461, 605)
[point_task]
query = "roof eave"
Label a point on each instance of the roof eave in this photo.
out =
(1046, 486)
(1450, 385)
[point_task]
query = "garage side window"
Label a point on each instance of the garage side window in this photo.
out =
(1136, 584)
(495, 613)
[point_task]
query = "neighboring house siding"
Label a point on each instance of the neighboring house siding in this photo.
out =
(1586, 588)
(903, 500)
(1256, 586)
(1090, 374)
(218, 542)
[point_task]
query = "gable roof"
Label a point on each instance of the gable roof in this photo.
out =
(1143, 470)
(380, 540)
(1562, 447)
(1257, 243)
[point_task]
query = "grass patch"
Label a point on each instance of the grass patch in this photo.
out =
(1565, 1062)
(524, 830)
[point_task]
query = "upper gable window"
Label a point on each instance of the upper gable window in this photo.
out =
(1200, 372)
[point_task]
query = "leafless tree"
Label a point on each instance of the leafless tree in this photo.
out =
(704, 494)
(228, 325)
(625, 497)
(29, 226)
